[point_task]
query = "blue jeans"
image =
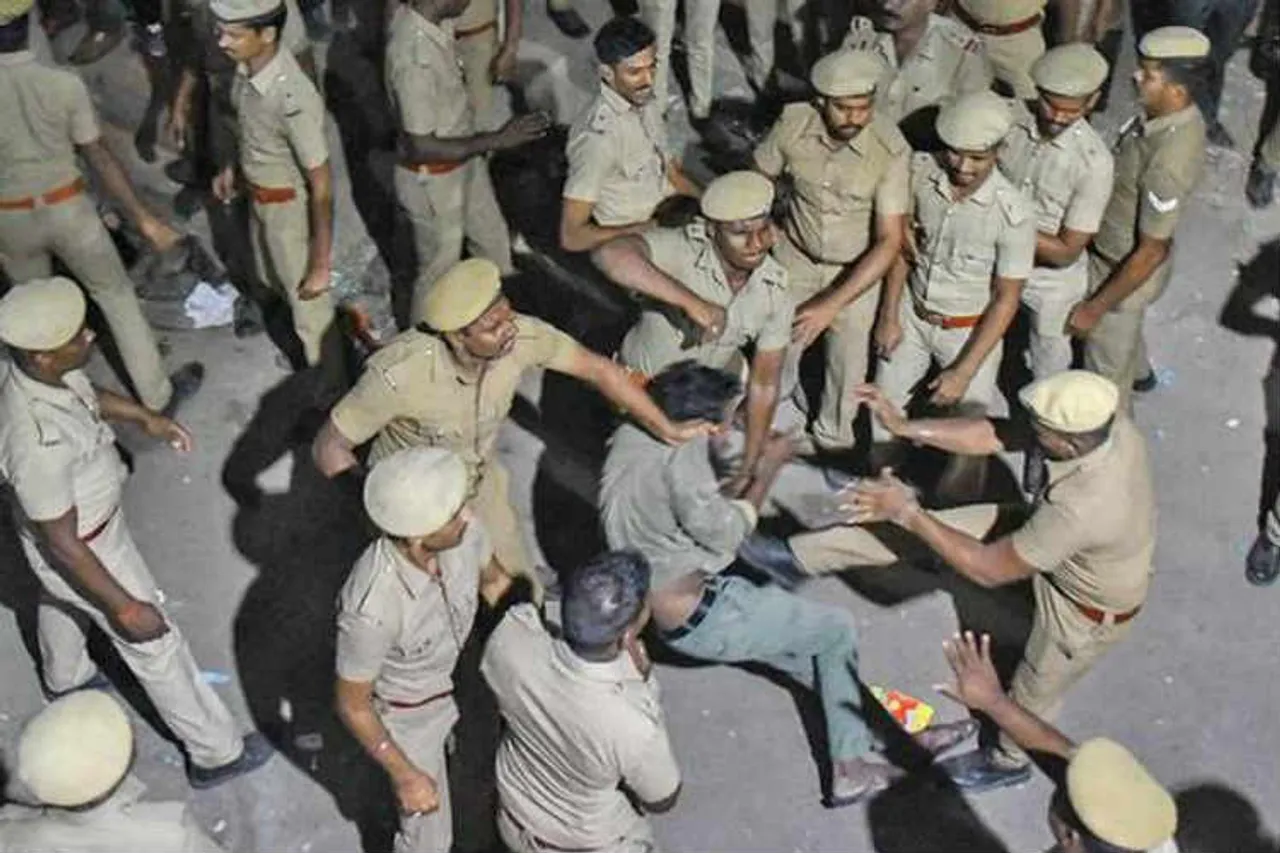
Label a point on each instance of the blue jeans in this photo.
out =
(813, 643)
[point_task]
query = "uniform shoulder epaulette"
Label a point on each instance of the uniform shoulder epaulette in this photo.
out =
(960, 35)
(602, 116)
(397, 359)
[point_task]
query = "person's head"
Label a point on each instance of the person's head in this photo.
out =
(248, 29)
(1068, 84)
(1110, 804)
(738, 208)
(604, 604)
(898, 15)
(689, 391)
(417, 497)
(1172, 68)
(467, 308)
(845, 87)
(1072, 412)
(628, 55)
(75, 752)
(15, 25)
(42, 322)
(971, 129)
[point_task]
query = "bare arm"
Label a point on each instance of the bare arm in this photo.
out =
(616, 386)
(680, 179)
(888, 330)
(626, 262)
(455, 149)
(580, 233)
(332, 452)
(762, 402)
(1132, 272)
(1062, 249)
(320, 219)
(966, 436)
(494, 582)
(114, 407)
(118, 186)
(415, 789)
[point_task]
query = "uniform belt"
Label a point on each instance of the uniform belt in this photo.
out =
(1099, 617)
(944, 321)
(709, 593)
(391, 703)
(273, 195)
(433, 167)
(52, 197)
(545, 845)
(468, 32)
(102, 525)
(997, 29)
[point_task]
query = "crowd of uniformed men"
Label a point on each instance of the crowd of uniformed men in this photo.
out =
(942, 176)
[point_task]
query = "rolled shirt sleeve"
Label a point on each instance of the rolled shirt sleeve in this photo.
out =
(42, 481)
(304, 125)
(1051, 535)
(768, 156)
(551, 348)
(1084, 213)
(775, 334)
(893, 193)
(589, 162)
(365, 409)
(83, 121)
(362, 646)
(650, 771)
(1016, 249)
(416, 93)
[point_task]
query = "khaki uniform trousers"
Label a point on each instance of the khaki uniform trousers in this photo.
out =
(921, 344)
(1051, 294)
(1012, 57)
(492, 503)
(1116, 348)
(446, 210)
(476, 52)
(72, 232)
(422, 734)
(847, 344)
(281, 238)
(164, 667)
(519, 840)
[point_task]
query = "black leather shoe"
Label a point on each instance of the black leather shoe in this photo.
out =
(978, 771)
(1262, 566)
(774, 558)
(1218, 136)
(569, 22)
(1260, 188)
(186, 381)
(1035, 473)
(1144, 384)
(257, 752)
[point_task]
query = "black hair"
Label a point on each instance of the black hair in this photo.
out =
(601, 598)
(16, 35)
(1061, 804)
(1191, 74)
(621, 38)
(1087, 442)
(688, 391)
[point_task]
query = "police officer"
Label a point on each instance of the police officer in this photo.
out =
(584, 727)
(844, 226)
(1011, 33)
(1056, 157)
(450, 382)
(404, 615)
(714, 289)
(284, 159)
(932, 58)
(46, 213)
(953, 293)
(442, 179)
(486, 59)
(59, 459)
(1158, 160)
(619, 165)
(1088, 544)
(73, 757)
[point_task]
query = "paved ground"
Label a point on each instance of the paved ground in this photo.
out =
(1193, 691)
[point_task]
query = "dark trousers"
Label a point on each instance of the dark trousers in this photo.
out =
(103, 15)
(1224, 22)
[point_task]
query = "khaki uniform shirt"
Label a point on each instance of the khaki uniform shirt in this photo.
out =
(839, 186)
(401, 628)
(999, 13)
(666, 502)
(413, 393)
(1068, 178)
(618, 159)
(1158, 164)
(960, 246)
(424, 78)
(576, 730)
(120, 824)
(949, 61)
(47, 113)
(281, 117)
(56, 451)
(1093, 531)
(759, 312)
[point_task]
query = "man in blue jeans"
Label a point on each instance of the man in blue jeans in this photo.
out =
(665, 501)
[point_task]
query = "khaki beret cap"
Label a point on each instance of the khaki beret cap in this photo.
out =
(11, 10)
(847, 73)
(41, 315)
(737, 196)
(76, 750)
(243, 10)
(415, 491)
(1117, 799)
(1072, 70)
(462, 294)
(974, 122)
(1072, 401)
(1174, 43)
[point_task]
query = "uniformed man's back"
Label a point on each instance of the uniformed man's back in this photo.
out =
(47, 113)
